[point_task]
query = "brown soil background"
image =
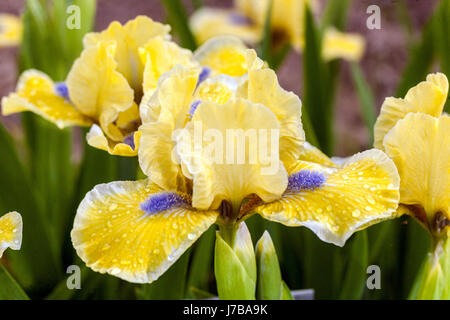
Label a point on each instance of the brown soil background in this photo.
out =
(385, 57)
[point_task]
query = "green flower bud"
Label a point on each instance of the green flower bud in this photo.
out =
(235, 266)
(270, 285)
(433, 282)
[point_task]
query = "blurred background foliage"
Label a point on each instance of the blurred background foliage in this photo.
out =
(45, 172)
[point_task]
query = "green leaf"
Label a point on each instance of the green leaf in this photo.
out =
(335, 14)
(270, 286)
(233, 280)
(316, 105)
(9, 288)
(420, 60)
(355, 275)
(442, 31)
(286, 293)
(201, 266)
(366, 99)
(35, 265)
(171, 285)
(177, 17)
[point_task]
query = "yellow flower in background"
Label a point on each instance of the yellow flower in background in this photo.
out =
(247, 18)
(10, 30)
(10, 232)
(137, 230)
(415, 133)
(105, 84)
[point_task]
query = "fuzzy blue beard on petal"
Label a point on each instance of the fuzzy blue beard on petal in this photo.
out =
(305, 180)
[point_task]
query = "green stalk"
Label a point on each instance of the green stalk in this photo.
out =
(177, 17)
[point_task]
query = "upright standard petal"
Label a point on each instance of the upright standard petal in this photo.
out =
(228, 55)
(10, 232)
(136, 230)
(348, 46)
(263, 87)
(207, 23)
(164, 113)
(97, 89)
(419, 146)
(160, 55)
(37, 93)
(334, 203)
(427, 97)
(129, 38)
(230, 151)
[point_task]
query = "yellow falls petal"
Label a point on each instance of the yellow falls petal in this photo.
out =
(223, 151)
(10, 30)
(310, 153)
(228, 55)
(419, 145)
(263, 87)
(112, 234)
(97, 89)
(159, 56)
(10, 231)
(97, 139)
(129, 38)
(207, 23)
(337, 45)
(363, 192)
(36, 92)
(427, 97)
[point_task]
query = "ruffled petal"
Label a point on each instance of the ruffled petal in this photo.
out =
(10, 30)
(334, 203)
(207, 23)
(427, 97)
(419, 145)
(136, 230)
(37, 93)
(340, 45)
(128, 148)
(129, 38)
(159, 56)
(310, 153)
(228, 55)
(263, 87)
(171, 101)
(97, 89)
(10, 232)
(222, 168)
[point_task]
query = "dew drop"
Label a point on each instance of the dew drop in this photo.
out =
(191, 236)
(356, 213)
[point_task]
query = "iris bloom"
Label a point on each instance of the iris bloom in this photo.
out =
(415, 133)
(136, 230)
(10, 30)
(10, 232)
(246, 21)
(105, 84)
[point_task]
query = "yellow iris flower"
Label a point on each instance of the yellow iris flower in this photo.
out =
(246, 21)
(10, 232)
(10, 30)
(137, 230)
(105, 84)
(415, 133)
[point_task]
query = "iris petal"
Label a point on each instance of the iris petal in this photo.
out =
(112, 234)
(10, 232)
